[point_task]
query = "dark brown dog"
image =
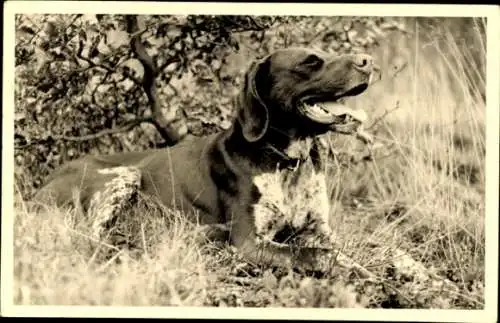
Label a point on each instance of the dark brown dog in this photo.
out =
(287, 99)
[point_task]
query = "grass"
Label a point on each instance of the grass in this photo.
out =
(425, 197)
(58, 262)
(73, 268)
(428, 197)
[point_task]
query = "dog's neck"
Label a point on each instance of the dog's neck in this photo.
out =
(284, 160)
(276, 149)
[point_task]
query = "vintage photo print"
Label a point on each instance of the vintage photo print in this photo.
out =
(244, 160)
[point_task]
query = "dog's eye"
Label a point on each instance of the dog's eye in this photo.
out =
(313, 61)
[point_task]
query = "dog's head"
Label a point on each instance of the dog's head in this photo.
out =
(298, 91)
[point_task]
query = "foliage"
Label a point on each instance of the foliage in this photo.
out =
(82, 87)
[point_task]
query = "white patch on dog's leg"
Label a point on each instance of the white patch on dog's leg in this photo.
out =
(310, 206)
(270, 211)
(105, 205)
(322, 205)
(298, 199)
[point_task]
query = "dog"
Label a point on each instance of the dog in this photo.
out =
(261, 178)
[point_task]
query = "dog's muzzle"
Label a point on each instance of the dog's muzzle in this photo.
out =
(332, 111)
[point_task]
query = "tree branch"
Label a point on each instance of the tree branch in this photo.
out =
(126, 127)
(169, 61)
(164, 127)
(107, 68)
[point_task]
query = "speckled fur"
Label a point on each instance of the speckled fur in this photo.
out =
(117, 193)
(295, 198)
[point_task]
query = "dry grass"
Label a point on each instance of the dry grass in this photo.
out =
(426, 197)
(58, 262)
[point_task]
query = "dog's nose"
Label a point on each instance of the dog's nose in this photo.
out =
(363, 62)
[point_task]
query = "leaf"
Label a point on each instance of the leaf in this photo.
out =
(103, 48)
(82, 34)
(26, 30)
(269, 280)
(42, 58)
(117, 38)
(19, 116)
(50, 28)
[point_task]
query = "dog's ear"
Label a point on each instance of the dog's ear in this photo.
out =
(253, 114)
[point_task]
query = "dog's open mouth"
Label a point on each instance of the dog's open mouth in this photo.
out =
(333, 111)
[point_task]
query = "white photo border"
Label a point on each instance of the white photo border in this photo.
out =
(491, 12)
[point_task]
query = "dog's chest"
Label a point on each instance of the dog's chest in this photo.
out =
(295, 200)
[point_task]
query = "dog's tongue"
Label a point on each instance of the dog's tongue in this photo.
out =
(338, 109)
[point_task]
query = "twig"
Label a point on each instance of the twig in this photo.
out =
(92, 95)
(380, 118)
(143, 236)
(129, 125)
(91, 63)
(107, 68)
(39, 29)
(347, 262)
(242, 281)
(110, 261)
(139, 32)
(169, 61)
(90, 238)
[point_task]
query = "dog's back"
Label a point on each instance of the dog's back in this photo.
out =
(157, 167)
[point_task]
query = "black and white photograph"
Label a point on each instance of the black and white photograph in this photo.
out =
(231, 156)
